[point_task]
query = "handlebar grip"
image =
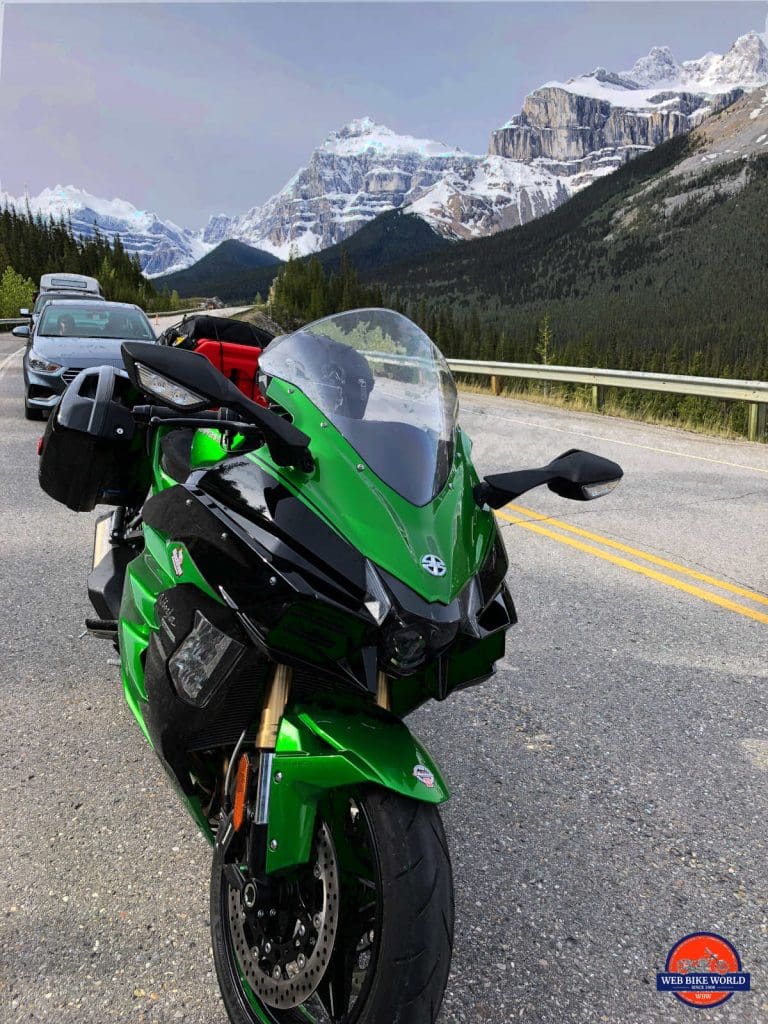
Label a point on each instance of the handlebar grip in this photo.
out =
(145, 413)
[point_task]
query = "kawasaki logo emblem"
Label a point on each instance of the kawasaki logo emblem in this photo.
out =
(177, 560)
(433, 565)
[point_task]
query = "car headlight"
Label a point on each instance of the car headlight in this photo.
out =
(40, 365)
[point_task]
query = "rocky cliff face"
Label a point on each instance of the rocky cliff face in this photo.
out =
(596, 122)
(581, 135)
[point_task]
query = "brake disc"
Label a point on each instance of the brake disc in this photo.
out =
(283, 951)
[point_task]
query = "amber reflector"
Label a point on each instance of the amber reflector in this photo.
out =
(241, 791)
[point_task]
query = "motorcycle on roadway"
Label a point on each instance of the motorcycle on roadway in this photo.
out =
(285, 583)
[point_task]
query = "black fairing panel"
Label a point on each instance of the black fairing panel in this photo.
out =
(105, 582)
(284, 524)
(296, 610)
(176, 726)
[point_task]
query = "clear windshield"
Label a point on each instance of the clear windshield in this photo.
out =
(383, 384)
(69, 320)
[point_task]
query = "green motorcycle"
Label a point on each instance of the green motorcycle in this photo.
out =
(285, 582)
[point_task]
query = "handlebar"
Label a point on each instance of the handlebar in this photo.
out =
(147, 413)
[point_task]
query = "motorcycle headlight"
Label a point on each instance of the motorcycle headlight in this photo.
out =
(203, 661)
(410, 642)
(41, 365)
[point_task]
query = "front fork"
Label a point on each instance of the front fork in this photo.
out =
(255, 813)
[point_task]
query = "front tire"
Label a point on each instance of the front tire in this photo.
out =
(411, 925)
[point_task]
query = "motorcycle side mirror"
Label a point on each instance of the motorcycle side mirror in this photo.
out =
(24, 312)
(580, 476)
(188, 382)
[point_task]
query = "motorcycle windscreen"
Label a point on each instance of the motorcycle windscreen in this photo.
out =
(384, 385)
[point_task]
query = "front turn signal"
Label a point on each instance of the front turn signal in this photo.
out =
(241, 792)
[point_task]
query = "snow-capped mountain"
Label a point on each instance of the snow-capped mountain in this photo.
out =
(357, 173)
(162, 246)
(567, 134)
(592, 124)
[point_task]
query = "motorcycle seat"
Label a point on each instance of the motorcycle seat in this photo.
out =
(176, 447)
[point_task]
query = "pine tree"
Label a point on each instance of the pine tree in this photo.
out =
(15, 293)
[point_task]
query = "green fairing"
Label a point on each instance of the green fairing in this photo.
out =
(375, 519)
(207, 448)
(321, 749)
(146, 577)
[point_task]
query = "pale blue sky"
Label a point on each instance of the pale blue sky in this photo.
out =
(192, 109)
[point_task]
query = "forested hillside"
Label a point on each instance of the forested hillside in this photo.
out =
(32, 246)
(641, 271)
(231, 272)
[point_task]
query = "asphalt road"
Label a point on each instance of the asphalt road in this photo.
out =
(159, 323)
(609, 784)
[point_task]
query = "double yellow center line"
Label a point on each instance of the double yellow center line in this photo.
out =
(567, 534)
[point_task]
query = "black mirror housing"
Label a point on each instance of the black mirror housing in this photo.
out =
(577, 475)
(583, 476)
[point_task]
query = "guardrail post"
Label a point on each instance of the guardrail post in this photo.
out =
(756, 421)
(495, 386)
(598, 397)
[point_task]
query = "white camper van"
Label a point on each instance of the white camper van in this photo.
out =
(86, 286)
(63, 286)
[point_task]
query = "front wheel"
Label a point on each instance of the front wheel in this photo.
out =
(360, 935)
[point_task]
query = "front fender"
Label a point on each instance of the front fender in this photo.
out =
(320, 749)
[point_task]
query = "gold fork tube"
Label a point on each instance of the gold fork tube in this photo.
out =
(382, 691)
(274, 707)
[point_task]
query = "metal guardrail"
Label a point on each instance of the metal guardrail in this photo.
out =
(16, 321)
(754, 392)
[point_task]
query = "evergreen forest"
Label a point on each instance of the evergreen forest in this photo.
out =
(32, 246)
(644, 270)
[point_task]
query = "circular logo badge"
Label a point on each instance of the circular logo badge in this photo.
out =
(424, 775)
(704, 970)
(433, 565)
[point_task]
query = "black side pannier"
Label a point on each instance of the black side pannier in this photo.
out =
(92, 452)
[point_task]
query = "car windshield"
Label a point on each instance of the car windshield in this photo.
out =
(44, 297)
(384, 385)
(69, 320)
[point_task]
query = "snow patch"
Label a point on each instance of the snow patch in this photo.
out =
(744, 66)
